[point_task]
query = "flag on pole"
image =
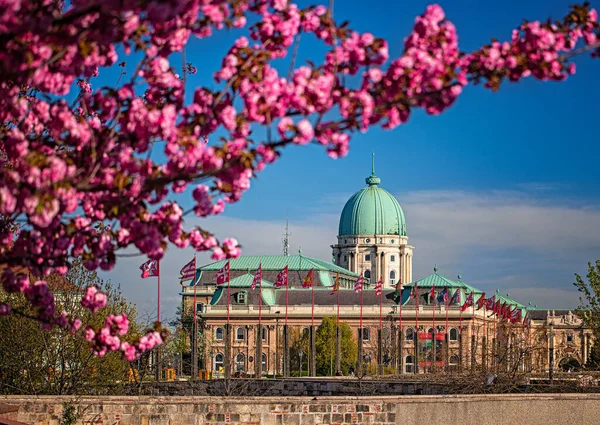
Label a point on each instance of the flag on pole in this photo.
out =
(481, 301)
(456, 297)
(379, 287)
(414, 292)
(222, 276)
(188, 272)
(432, 295)
(443, 296)
(497, 308)
(468, 302)
(282, 278)
(358, 285)
(308, 280)
(149, 269)
(489, 303)
(398, 292)
(336, 284)
(257, 277)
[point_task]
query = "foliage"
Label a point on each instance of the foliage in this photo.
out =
(35, 361)
(80, 173)
(325, 345)
(589, 308)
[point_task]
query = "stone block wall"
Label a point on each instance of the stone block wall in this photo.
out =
(539, 409)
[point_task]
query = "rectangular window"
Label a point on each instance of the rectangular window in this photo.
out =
(392, 258)
(570, 338)
(241, 298)
(367, 257)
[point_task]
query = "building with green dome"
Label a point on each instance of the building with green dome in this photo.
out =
(428, 324)
(372, 238)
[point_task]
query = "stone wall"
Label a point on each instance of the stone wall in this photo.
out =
(543, 409)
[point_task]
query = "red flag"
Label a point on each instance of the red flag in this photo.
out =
(188, 271)
(308, 280)
(414, 292)
(432, 295)
(379, 287)
(282, 278)
(481, 301)
(497, 308)
(468, 302)
(489, 303)
(358, 285)
(257, 277)
(149, 269)
(222, 275)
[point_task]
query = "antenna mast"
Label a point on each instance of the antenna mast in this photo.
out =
(286, 239)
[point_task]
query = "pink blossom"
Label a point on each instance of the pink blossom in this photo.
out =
(93, 299)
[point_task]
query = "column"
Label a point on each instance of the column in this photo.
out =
(258, 352)
(286, 351)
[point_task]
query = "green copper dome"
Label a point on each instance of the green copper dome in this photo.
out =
(372, 211)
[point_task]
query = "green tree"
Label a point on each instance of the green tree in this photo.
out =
(34, 361)
(325, 344)
(589, 308)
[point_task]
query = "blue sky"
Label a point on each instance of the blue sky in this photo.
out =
(503, 187)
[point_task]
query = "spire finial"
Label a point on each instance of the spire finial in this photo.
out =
(435, 268)
(373, 180)
(459, 276)
(300, 251)
(373, 163)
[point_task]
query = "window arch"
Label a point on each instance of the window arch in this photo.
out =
(453, 334)
(305, 331)
(409, 364)
(430, 331)
(219, 334)
(218, 362)
(392, 277)
(240, 334)
(264, 363)
(366, 334)
(409, 334)
(367, 274)
(240, 362)
(453, 361)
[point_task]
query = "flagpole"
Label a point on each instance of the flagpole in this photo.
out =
(260, 298)
(381, 308)
(287, 286)
(194, 282)
(312, 284)
(417, 326)
(447, 304)
(361, 308)
(228, 293)
(338, 302)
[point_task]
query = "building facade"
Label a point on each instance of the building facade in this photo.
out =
(414, 326)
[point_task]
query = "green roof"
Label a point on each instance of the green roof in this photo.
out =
(245, 281)
(372, 211)
(278, 262)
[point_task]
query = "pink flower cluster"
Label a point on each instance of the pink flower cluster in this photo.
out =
(71, 164)
(93, 299)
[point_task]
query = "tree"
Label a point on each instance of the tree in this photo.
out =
(35, 361)
(589, 308)
(325, 345)
(80, 175)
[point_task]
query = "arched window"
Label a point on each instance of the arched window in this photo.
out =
(430, 331)
(219, 334)
(453, 361)
(305, 332)
(392, 276)
(218, 364)
(240, 363)
(409, 334)
(264, 333)
(453, 334)
(242, 297)
(366, 334)
(409, 364)
(240, 334)
(264, 363)
(367, 274)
